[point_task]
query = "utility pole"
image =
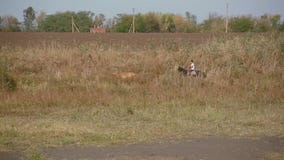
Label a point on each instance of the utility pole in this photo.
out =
(227, 16)
(133, 21)
(74, 26)
(72, 22)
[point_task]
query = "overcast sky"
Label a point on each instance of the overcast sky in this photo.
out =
(200, 8)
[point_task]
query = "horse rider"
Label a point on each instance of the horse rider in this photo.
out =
(192, 69)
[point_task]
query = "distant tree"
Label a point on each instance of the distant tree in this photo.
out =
(151, 22)
(110, 23)
(140, 25)
(9, 24)
(157, 22)
(29, 19)
(281, 27)
(241, 24)
(122, 22)
(39, 19)
(61, 22)
(154, 22)
(214, 23)
(180, 23)
(191, 22)
(262, 24)
(84, 20)
(267, 23)
(99, 20)
(275, 20)
(1, 23)
(167, 23)
(191, 18)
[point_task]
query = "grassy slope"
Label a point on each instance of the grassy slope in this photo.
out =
(69, 95)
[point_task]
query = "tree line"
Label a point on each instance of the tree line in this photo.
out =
(148, 22)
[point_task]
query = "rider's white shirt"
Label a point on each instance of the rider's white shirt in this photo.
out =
(192, 66)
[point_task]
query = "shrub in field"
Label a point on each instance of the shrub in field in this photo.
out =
(241, 24)
(6, 81)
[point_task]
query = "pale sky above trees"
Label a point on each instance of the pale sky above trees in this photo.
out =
(200, 8)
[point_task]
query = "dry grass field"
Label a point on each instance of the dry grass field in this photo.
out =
(62, 88)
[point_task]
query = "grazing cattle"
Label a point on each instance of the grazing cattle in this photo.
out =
(185, 72)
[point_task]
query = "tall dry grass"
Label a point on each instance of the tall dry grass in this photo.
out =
(70, 94)
(242, 68)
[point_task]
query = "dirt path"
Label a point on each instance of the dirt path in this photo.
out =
(212, 148)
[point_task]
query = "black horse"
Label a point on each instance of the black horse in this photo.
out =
(185, 72)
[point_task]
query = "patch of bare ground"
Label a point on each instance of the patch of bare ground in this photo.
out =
(210, 148)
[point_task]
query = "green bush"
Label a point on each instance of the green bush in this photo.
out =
(6, 81)
(241, 24)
